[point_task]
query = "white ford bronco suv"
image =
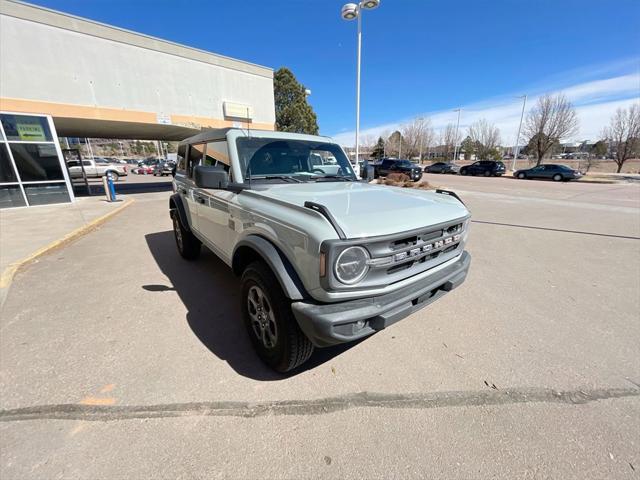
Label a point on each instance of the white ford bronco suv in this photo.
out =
(324, 258)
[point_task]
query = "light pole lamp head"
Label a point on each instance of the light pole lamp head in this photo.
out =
(349, 11)
(370, 4)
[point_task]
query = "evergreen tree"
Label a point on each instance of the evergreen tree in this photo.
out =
(378, 149)
(293, 113)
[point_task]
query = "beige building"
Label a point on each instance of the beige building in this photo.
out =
(88, 79)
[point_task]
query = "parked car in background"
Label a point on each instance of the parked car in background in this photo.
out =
(550, 171)
(163, 168)
(96, 168)
(387, 166)
(327, 165)
(143, 170)
(488, 168)
(442, 167)
(150, 162)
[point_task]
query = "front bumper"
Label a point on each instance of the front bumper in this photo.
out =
(333, 323)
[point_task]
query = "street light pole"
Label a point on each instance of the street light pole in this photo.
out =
(349, 12)
(358, 93)
(455, 149)
(516, 148)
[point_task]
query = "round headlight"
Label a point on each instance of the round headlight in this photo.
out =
(351, 265)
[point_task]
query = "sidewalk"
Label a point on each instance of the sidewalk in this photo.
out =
(26, 233)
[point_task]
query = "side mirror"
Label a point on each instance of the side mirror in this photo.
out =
(211, 177)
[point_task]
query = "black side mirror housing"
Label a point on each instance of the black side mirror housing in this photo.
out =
(211, 177)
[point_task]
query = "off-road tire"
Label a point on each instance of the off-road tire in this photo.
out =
(188, 245)
(292, 348)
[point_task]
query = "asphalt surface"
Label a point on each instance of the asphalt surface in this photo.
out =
(119, 360)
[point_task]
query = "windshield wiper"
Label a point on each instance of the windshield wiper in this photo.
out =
(345, 178)
(275, 177)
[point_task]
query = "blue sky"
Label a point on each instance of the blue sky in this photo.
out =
(420, 57)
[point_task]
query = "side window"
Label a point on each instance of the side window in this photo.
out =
(73, 163)
(195, 154)
(217, 153)
(181, 164)
(86, 163)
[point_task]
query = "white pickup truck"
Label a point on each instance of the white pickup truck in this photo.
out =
(96, 168)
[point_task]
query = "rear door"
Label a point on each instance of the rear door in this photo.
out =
(549, 171)
(185, 184)
(214, 216)
(538, 172)
(90, 168)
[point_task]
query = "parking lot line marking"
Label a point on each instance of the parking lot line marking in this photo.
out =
(561, 230)
(9, 272)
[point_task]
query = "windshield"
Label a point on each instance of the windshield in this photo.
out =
(404, 163)
(301, 159)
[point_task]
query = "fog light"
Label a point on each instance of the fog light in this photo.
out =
(359, 325)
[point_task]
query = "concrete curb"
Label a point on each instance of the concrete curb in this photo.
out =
(9, 272)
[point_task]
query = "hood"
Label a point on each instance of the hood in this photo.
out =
(365, 210)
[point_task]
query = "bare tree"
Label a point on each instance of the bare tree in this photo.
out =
(486, 138)
(448, 141)
(417, 137)
(552, 119)
(624, 134)
(393, 147)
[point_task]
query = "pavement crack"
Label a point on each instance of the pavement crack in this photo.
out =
(75, 411)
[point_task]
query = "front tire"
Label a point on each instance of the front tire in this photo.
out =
(188, 245)
(272, 328)
(113, 176)
(557, 177)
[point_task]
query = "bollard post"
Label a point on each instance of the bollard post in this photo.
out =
(112, 189)
(107, 189)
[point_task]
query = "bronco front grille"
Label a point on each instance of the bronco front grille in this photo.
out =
(397, 257)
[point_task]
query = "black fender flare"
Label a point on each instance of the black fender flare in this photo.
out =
(278, 263)
(177, 207)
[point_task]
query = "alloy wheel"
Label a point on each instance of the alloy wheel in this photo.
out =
(263, 321)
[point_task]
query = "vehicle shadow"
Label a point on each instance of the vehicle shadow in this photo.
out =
(211, 294)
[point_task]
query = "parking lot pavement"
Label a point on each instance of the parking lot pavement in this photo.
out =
(120, 360)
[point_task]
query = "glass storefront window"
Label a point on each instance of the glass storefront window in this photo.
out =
(11, 196)
(46, 193)
(7, 173)
(26, 128)
(36, 161)
(31, 170)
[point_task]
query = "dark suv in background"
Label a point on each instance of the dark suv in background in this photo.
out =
(488, 168)
(387, 166)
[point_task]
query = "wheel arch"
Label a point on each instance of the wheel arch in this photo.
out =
(176, 206)
(255, 247)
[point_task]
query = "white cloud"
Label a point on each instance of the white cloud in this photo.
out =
(595, 101)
